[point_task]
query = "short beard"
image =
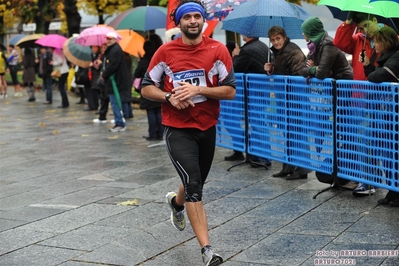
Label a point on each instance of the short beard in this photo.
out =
(192, 36)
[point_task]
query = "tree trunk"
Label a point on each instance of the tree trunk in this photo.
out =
(73, 17)
(137, 3)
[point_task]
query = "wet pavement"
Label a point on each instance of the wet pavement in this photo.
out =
(72, 193)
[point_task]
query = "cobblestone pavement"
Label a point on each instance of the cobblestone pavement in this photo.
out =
(72, 193)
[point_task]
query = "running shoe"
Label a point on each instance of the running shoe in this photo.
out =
(176, 217)
(363, 190)
(210, 258)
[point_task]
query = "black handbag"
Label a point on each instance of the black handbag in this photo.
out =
(82, 76)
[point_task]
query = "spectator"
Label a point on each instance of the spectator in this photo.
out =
(190, 110)
(3, 82)
(288, 60)
(13, 67)
(90, 91)
(387, 70)
(104, 99)
(153, 108)
(324, 59)
(250, 58)
(60, 63)
(128, 100)
(115, 67)
(45, 69)
(353, 42)
(29, 74)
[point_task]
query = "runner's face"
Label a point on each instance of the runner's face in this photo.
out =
(191, 25)
(277, 41)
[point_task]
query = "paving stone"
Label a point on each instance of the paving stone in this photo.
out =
(283, 249)
(88, 237)
(42, 256)
(321, 223)
(14, 239)
(75, 218)
(29, 213)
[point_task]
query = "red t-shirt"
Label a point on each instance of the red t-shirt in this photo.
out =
(205, 64)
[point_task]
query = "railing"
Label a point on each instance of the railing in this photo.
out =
(345, 128)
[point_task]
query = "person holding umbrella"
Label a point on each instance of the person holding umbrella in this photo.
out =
(357, 43)
(196, 72)
(118, 79)
(59, 62)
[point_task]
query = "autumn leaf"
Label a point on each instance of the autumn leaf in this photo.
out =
(129, 203)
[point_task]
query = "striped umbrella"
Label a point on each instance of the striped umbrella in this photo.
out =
(142, 18)
(77, 54)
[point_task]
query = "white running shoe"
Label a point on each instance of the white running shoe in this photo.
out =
(177, 217)
(98, 121)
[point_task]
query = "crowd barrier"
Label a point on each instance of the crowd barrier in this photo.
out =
(345, 128)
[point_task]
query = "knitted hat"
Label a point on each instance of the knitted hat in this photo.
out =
(313, 29)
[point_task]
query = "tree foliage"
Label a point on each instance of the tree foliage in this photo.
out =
(103, 8)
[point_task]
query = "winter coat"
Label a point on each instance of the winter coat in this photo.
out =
(330, 61)
(252, 58)
(353, 44)
(389, 59)
(289, 60)
(28, 63)
(115, 64)
(46, 58)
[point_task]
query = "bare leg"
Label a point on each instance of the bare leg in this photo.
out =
(197, 216)
(199, 222)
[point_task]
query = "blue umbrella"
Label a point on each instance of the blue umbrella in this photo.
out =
(255, 18)
(14, 39)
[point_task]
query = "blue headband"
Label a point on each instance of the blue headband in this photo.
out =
(188, 8)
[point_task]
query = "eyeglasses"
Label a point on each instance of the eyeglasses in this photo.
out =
(110, 39)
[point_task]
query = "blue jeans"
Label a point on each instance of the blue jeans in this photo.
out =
(47, 82)
(155, 127)
(127, 110)
(118, 115)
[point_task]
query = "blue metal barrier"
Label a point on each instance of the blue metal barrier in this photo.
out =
(367, 133)
(292, 121)
(267, 119)
(310, 121)
(231, 125)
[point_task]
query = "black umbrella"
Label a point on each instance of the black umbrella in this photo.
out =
(29, 40)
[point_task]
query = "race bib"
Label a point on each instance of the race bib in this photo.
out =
(195, 77)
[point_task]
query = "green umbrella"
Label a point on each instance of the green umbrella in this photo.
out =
(388, 9)
(116, 92)
(142, 18)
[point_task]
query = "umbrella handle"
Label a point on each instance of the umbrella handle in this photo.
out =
(268, 53)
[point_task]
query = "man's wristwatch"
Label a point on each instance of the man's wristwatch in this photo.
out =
(167, 96)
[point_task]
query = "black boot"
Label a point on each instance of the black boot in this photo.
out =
(281, 174)
(236, 156)
(390, 196)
